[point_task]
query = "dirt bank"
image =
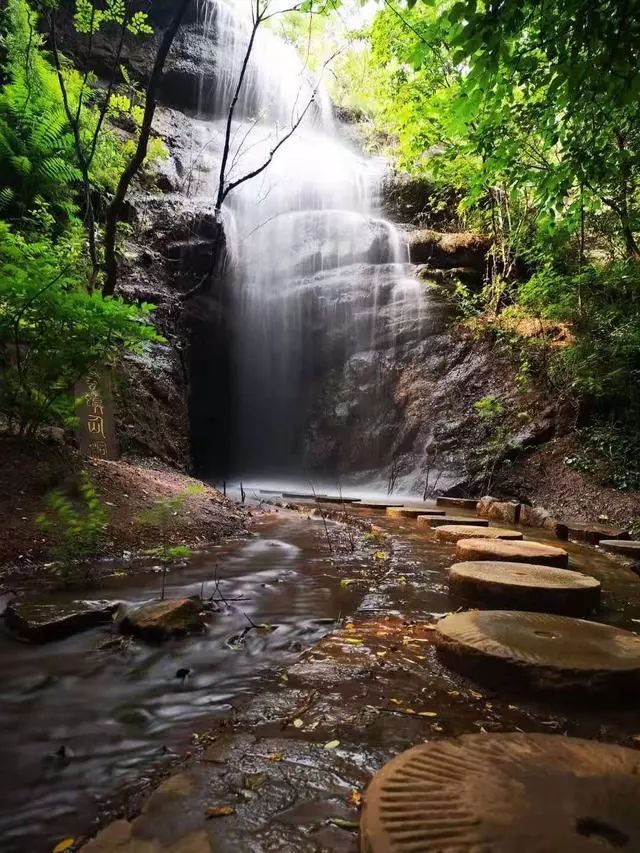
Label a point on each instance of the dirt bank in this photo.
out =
(30, 471)
(543, 478)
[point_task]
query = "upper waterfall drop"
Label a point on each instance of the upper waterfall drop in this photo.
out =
(316, 269)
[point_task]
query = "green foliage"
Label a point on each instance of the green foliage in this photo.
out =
(163, 512)
(89, 17)
(602, 305)
(489, 408)
(609, 452)
(168, 554)
(37, 166)
(76, 527)
(52, 332)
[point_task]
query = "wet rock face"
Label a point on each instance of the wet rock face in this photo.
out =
(161, 620)
(43, 622)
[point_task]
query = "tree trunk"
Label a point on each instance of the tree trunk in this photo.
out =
(137, 159)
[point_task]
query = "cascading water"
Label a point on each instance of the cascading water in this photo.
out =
(314, 266)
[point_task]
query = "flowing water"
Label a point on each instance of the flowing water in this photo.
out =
(317, 271)
(121, 713)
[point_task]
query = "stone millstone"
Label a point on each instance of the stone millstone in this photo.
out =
(413, 512)
(512, 793)
(512, 552)
(546, 651)
(438, 521)
(587, 532)
(160, 620)
(525, 587)
(455, 532)
(629, 549)
(458, 503)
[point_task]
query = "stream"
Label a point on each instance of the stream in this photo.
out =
(122, 715)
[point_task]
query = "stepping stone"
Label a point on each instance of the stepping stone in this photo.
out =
(459, 503)
(455, 532)
(545, 651)
(435, 521)
(377, 505)
(333, 500)
(42, 622)
(513, 552)
(524, 586)
(630, 548)
(587, 532)
(299, 496)
(413, 512)
(504, 792)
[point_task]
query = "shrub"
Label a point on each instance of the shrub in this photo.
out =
(52, 332)
(78, 530)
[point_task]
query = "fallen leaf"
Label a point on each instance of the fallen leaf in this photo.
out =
(66, 844)
(346, 582)
(265, 629)
(332, 744)
(253, 781)
(284, 677)
(350, 627)
(353, 641)
(356, 798)
(476, 695)
(395, 701)
(274, 756)
(427, 714)
(453, 693)
(298, 723)
(219, 811)
(409, 711)
(381, 654)
(344, 824)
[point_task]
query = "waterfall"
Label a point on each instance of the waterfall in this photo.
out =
(317, 274)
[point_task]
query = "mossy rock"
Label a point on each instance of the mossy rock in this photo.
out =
(160, 620)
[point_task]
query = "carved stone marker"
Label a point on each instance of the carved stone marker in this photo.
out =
(512, 793)
(96, 432)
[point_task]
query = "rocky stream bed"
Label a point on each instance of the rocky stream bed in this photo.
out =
(314, 671)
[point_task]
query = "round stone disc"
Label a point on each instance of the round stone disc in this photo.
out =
(512, 552)
(412, 511)
(505, 793)
(627, 548)
(459, 520)
(455, 532)
(525, 586)
(547, 651)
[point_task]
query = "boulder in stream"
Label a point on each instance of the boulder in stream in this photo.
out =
(160, 620)
(44, 621)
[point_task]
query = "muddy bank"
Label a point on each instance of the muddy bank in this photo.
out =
(31, 471)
